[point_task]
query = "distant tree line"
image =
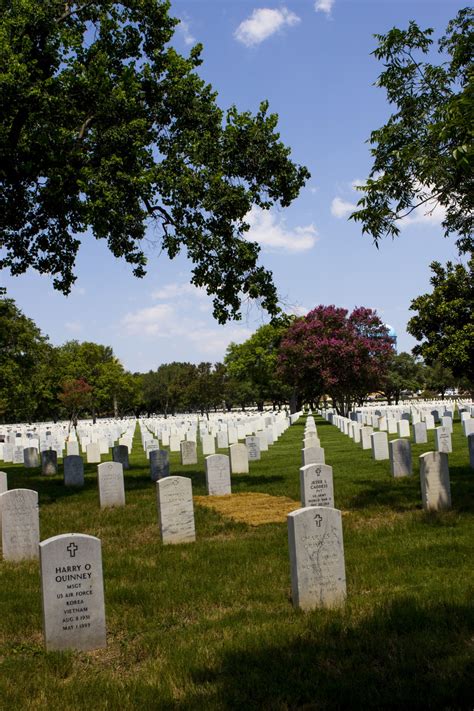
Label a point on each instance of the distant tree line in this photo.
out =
(326, 356)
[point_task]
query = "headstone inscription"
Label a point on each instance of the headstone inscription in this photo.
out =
(175, 509)
(400, 457)
(443, 439)
(73, 592)
(317, 557)
(434, 480)
(316, 484)
(18, 455)
(120, 455)
(239, 459)
(188, 452)
(111, 484)
(159, 464)
(253, 447)
(218, 475)
(73, 470)
(20, 524)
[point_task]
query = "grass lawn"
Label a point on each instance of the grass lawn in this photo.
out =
(210, 625)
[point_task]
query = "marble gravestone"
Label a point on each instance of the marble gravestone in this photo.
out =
(222, 440)
(403, 428)
(31, 457)
(120, 455)
(18, 455)
(93, 453)
(188, 452)
(262, 441)
(159, 464)
(379, 442)
(208, 444)
(20, 524)
(73, 592)
(73, 470)
(420, 433)
(400, 457)
(218, 475)
(111, 484)
(316, 484)
(49, 462)
(3, 483)
(174, 496)
(312, 455)
(239, 459)
(72, 448)
(365, 433)
(434, 480)
(443, 440)
(317, 557)
(253, 448)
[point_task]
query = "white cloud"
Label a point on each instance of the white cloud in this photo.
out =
(184, 30)
(73, 326)
(324, 6)
(297, 310)
(172, 291)
(263, 23)
(268, 231)
(430, 213)
(340, 208)
(152, 321)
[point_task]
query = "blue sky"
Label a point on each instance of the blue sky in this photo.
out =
(312, 61)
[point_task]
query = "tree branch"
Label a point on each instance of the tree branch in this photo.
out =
(422, 202)
(168, 220)
(69, 11)
(85, 126)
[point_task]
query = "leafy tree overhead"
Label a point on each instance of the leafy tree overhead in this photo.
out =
(444, 323)
(105, 127)
(424, 154)
(331, 352)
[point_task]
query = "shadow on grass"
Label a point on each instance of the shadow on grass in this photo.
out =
(407, 655)
(253, 480)
(399, 496)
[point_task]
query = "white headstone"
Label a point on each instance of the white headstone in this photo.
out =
(111, 484)
(20, 524)
(73, 592)
(316, 484)
(312, 455)
(218, 475)
(188, 452)
(253, 447)
(400, 457)
(239, 459)
(443, 439)
(379, 442)
(93, 453)
(175, 509)
(420, 433)
(434, 479)
(208, 444)
(317, 557)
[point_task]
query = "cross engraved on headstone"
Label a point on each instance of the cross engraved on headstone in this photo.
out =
(318, 518)
(72, 548)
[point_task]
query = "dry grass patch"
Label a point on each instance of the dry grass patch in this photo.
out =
(251, 508)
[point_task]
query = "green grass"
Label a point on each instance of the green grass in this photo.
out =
(210, 625)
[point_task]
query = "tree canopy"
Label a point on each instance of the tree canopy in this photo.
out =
(106, 128)
(423, 155)
(444, 324)
(331, 352)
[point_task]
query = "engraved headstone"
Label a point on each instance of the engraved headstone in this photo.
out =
(222, 440)
(208, 444)
(365, 441)
(400, 457)
(403, 428)
(443, 439)
(420, 433)
(93, 453)
(73, 470)
(253, 447)
(73, 592)
(379, 442)
(72, 448)
(49, 462)
(263, 441)
(218, 475)
(20, 524)
(159, 464)
(316, 484)
(30, 457)
(188, 452)
(312, 455)
(175, 509)
(120, 455)
(434, 479)
(111, 484)
(317, 557)
(239, 459)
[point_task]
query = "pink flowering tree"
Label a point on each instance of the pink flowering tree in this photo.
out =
(328, 352)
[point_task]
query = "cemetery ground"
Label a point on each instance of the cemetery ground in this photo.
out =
(211, 625)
